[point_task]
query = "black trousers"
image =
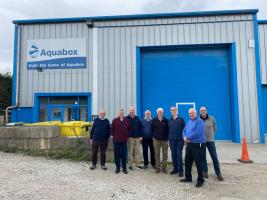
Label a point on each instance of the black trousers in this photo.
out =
(148, 143)
(194, 152)
(120, 154)
(103, 149)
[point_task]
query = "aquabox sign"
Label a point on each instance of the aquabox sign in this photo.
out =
(56, 53)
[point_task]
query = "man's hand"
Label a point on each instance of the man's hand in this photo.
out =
(186, 141)
(91, 141)
(140, 139)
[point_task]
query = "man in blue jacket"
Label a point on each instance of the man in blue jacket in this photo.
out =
(147, 141)
(176, 125)
(194, 137)
(99, 138)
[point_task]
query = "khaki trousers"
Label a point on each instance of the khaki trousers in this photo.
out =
(161, 146)
(133, 151)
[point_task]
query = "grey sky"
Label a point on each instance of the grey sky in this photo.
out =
(26, 9)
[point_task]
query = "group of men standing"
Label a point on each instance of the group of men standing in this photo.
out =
(156, 135)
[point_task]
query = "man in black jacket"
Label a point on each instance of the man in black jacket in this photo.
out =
(99, 138)
(159, 128)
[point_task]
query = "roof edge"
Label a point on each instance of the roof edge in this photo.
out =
(134, 16)
(262, 21)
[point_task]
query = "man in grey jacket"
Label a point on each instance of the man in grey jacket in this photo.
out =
(210, 129)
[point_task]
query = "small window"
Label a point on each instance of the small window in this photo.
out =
(43, 100)
(43, 114)
(84, 101)
(63, 100)
(84, 113)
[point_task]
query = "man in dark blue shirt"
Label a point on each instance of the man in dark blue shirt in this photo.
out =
(99, 138)
(147, 141)
(176, 125)
(194, 137)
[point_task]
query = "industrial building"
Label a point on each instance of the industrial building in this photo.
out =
(69, 68)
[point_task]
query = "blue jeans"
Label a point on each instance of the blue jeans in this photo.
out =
(213, 154)
(176, 147)
(120, 154)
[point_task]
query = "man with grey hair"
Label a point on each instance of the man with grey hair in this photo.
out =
(210, 129)
(99, 138)
(147, 141)
(159, 128)
(120, 130)
(194, 137)
(134, 140)
(176, 125)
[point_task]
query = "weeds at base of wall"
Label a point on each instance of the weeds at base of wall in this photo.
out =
(77, 153)
(69, 154)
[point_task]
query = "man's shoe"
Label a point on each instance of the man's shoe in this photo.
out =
(131, 168)
(104, 167)
(145, 167)
(157, 171)
(125, 171)
(220, 178)
(117, 171)
(181, 174)
(173, 172)
(198, 185)
(164, 171)
(93, 167)
(184, 180)
(206, 175)
(139, 167)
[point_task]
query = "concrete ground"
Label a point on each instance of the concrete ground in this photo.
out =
(24, 177)
(229, 152)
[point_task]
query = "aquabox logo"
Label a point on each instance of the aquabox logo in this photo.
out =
(35, 52)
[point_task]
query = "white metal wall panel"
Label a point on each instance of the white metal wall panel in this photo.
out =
(53, 80)
(202, 30)
(263, 51)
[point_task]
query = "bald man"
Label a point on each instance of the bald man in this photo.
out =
(210, 130)
(194, 137)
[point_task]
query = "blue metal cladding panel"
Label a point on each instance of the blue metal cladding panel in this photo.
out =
(264, 103)
(199, 75)
(23, 114)
(14, 77)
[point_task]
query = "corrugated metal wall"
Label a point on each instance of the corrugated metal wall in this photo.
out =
(116, 64)
(117, 41)
(53, 80)
(263, 51)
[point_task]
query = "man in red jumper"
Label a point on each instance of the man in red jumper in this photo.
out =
(120, 130)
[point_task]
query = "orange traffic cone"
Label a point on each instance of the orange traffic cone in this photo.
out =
(244, 156)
